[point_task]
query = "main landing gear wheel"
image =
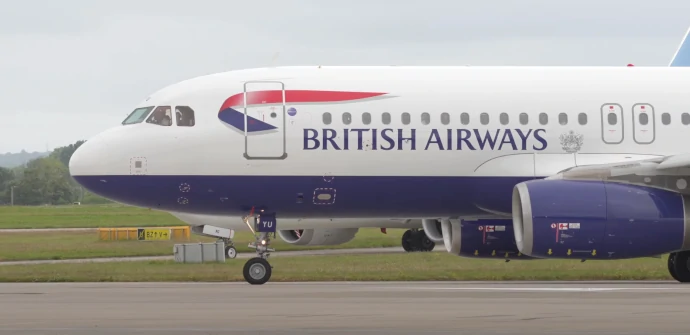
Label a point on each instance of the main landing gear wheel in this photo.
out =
(679, 266)
(230, 252)
(257, 271)
(407, 242)
(426, 243)
(672, 266)
(414, 240)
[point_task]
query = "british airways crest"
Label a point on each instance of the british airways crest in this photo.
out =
(571, 141)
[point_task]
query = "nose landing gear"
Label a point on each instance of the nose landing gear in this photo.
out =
(257, 270)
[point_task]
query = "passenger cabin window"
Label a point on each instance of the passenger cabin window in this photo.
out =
(465, 118)
(524, 118)
(161, 116)
(405, 118)
(184, 116)
(612, 118)
(563, 118)
(543, 119)
(685, 118)
(138, 115)
(327, 118)
(666, 119)
(582, 118)
(366, 118)
(503, 118)
(644, 119)
(445, 118)
(426, 118)
(484, 118)
(386, 118)
(347, 118)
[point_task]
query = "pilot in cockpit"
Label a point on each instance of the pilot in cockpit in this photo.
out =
(161, 116)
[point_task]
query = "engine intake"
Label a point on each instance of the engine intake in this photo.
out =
(599, 220)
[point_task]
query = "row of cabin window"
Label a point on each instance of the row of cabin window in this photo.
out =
(612, 118)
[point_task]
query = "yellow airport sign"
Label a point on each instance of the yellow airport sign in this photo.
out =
(177, 233)
(153, 234)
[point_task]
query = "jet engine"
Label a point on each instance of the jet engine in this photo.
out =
(483, 238)
(588, 219)
(432, 229)
(324, 236)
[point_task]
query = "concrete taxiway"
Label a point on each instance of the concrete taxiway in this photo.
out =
(477, 308)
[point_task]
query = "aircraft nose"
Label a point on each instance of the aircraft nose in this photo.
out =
(88, 158)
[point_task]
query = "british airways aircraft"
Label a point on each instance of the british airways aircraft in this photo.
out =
(421, 235)
(510, 162)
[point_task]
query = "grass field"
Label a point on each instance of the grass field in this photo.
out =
(384, 267)
(86, 216)
(71, 245)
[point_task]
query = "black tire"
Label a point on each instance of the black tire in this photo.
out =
(671, 265)
(407, 241)
(257, 271)
(417, 239)
(426, 243)
(680, 266)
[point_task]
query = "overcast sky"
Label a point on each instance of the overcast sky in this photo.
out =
(69, 68)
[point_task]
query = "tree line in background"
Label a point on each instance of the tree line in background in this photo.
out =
(45, 181)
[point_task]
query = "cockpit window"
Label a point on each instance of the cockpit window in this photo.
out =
(161, 116)
(138, 115)
(184, 116)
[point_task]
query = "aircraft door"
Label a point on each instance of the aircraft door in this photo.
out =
(612, 123)
(264, 112)
(643, 123)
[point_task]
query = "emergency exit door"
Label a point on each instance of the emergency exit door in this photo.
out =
(644, 123)
(612, 123)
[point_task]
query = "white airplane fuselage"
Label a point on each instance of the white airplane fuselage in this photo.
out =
(382, 142)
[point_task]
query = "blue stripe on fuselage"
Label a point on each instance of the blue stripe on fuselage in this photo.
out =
(368, 197)
(235, 119)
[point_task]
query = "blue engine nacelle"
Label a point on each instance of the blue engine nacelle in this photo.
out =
(484, 238)
(585, 219)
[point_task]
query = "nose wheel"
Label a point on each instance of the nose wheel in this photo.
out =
(257, 270)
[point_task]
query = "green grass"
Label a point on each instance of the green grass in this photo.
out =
(71, 245)
(85, 216)
(384, 267)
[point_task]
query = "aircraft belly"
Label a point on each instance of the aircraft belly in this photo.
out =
(311, 196)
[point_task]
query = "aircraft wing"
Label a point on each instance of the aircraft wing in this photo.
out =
(668, 172)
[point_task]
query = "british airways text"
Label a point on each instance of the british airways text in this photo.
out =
(438, 139)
